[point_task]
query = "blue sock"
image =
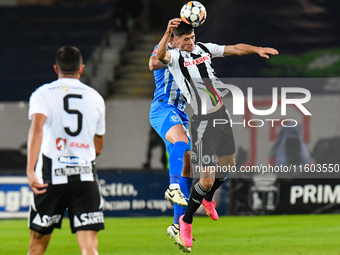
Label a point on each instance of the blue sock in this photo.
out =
(176, 161)
(185, 184)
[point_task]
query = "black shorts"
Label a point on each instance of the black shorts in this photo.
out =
(82, 200)
(210, 138)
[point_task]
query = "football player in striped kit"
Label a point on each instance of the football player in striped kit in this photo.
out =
(192, 69)
(65, 136)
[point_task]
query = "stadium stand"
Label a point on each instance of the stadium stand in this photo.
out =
(33, 33)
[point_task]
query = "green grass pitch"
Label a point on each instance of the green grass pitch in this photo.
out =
(249, 235)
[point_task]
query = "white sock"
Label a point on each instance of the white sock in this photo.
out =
(174, 186)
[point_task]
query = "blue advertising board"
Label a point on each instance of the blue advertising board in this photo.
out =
(15, 197)
(125, 193)
(135, 193)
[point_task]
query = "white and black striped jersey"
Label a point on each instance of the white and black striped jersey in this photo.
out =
(75, 113)
(194, 73)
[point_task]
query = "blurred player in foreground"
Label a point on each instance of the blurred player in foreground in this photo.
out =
(66, 134)
(191, 66)
(170, 121)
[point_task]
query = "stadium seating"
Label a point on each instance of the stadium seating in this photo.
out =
(32, 34)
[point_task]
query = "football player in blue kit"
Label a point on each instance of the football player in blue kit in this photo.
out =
(168, 118)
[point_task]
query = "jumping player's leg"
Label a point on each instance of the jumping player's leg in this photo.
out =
(224, 161)
(208, 202)
(185, 183)
(225, 153)
(177, 136)
(199, 191)
(38, 243)
(168, 123)
(88, 242)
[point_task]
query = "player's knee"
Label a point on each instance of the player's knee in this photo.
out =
(232, 161)
(227, 160)
(36, 250)
(38, 243)
(88, 246)
(182, 138)
(89, 250)
(207, 183)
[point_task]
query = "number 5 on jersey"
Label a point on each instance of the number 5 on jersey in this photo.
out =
(72, 111)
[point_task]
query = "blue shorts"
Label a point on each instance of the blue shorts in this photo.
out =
(165, 116)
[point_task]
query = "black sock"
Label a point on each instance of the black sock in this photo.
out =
(217, 184)
(195, 200)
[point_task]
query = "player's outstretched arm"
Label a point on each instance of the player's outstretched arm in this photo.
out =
(245, 49)
(162, 54)
(35, 136)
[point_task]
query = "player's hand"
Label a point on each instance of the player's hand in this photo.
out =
(35, 186)
(263, 52)
(173, 24)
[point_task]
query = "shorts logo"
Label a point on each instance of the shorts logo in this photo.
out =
(88, 219)
(61, 144)
(72, 160)
(175, 118)
(214, 159)
(193, 156)
(46, 221)
(206, 159)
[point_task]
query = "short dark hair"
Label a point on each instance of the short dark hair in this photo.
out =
(183, 29)
(69, 59)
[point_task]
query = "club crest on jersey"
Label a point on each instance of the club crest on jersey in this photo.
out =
(64, 88)
(197, 61)
(61, 144)
(175, 118)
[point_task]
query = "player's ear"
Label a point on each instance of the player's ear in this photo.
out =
(175, 39)
(81, 69)
(56, 69)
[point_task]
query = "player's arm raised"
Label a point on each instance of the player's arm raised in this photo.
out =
(162, 54)
(35, 136)
(155, 64)
(245, 49)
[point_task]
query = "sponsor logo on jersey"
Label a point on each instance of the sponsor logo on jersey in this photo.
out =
(61, 144)
(197, 61)
(46, 220)
(64, 88)
(88, 219)
(76, 170)
(80, 145)
(73, 160)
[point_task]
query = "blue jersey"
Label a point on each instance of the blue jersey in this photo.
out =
(167, 90)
